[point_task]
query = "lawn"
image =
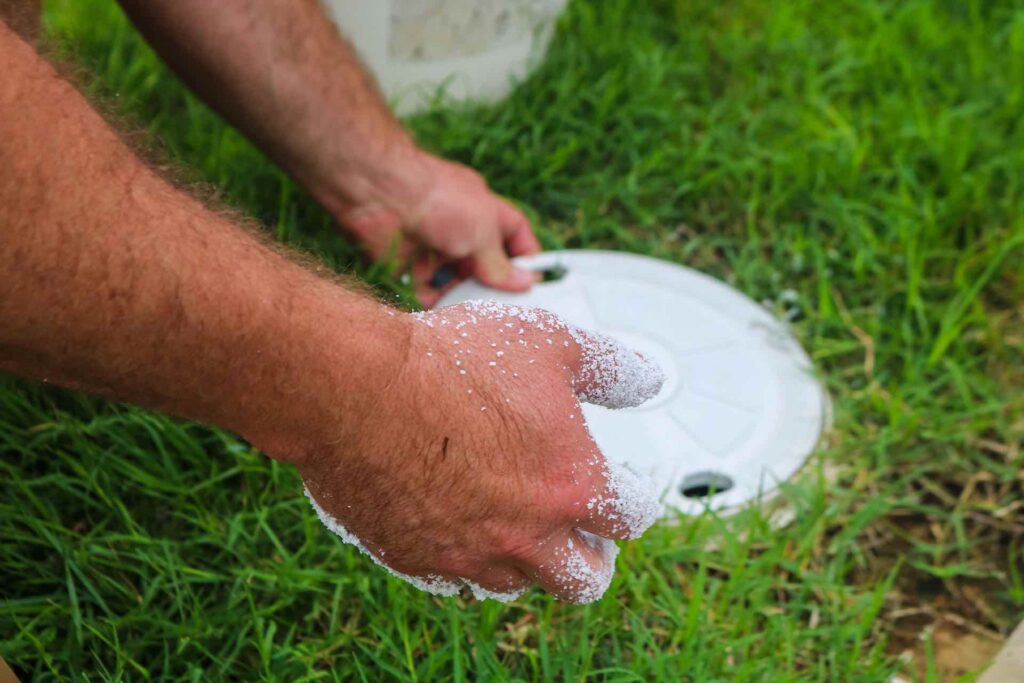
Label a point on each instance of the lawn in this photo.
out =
(867, 155)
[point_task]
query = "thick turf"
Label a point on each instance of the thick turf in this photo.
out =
(859, 163)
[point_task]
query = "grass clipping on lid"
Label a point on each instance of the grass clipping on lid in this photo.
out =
(610, 375)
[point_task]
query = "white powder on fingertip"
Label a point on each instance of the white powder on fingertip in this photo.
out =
(630, 500)
(584, 582)
(613, 375)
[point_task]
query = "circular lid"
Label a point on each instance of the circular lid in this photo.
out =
(740, 410)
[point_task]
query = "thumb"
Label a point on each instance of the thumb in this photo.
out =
(493, 268)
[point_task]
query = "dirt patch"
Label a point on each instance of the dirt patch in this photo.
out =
(955, 545)
(951, 650)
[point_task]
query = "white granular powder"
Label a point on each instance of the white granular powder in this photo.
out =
(431, 584)
(612, 376)
(585, 582)
(630, 500)
(481, 593)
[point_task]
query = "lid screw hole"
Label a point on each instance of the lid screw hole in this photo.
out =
(554, 273)
(705, 484)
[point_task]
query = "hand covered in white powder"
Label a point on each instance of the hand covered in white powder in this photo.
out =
(475, 466)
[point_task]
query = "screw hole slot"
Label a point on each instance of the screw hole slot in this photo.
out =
(554, 273)
(705, 484)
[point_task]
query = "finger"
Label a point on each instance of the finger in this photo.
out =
(578, 568)
(465, 268)
(434, 278)
(422, 271)
(609, 374)
(501, 584)
(494, 269)
(624, 504)
(387, 246)
(517, 231)
(428, 296)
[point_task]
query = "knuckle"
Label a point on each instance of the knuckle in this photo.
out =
(578, 499)
(520, 546)
(459, 249)
(474, 178)
(567, 492)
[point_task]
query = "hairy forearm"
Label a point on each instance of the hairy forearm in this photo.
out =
(21, 16)
(117, 283)
(279, 71)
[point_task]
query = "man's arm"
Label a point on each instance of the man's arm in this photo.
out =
(444, 457)
(118, 284)
(279, 70)
(22, 17)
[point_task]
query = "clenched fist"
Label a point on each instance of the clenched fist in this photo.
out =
(475, 466)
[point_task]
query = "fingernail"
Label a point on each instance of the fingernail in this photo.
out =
(521, 278)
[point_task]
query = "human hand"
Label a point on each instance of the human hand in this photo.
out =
(442, 214)
(475, 465)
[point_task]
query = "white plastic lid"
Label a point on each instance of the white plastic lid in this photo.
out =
(741, 409)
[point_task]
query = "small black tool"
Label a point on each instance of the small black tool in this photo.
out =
(442, 276)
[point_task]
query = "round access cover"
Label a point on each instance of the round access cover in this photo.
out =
(741, 409)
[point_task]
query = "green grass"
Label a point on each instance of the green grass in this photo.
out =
(868, 155)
